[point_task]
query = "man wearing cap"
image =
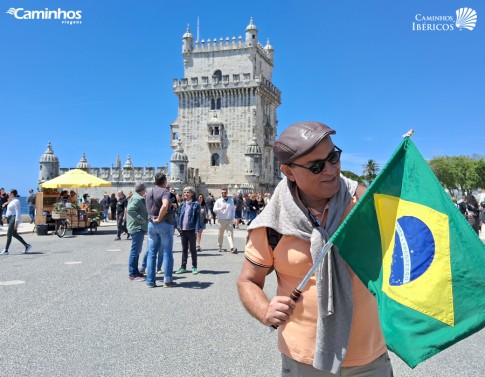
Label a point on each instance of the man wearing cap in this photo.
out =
(334, 327)
(137, 224)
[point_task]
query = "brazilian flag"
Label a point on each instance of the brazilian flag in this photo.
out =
(417, 254)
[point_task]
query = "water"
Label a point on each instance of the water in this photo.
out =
(24, 208)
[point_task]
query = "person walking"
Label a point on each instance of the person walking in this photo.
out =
(31, 204)
(137, 225)
(14, 219)
(203, 221)
(307, 207)
(225, 211)
(189, 224)
(210, 208)
(121, 205)
(160, 231)
(112, 205)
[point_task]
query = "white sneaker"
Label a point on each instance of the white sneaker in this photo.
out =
(27, 248)
(4, 252)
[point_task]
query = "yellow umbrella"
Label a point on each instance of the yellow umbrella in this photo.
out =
(75, 178)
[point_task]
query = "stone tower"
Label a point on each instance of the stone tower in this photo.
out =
(227, 105)
(49, 165)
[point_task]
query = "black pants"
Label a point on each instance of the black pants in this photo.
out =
(188, 242)
(113, 213)
(121, 224)
(12, 232)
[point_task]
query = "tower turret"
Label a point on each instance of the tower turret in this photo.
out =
(49, 165)
(253, 161)
(187, 45)
(83, 164)
(178, 164)
(251, 34)
(269, 50)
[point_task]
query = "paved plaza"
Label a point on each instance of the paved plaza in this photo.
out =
(68, 308)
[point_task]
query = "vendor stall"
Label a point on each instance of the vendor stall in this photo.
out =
(62, 215)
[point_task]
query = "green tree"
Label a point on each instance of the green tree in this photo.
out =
(460, 172)
(371, 169)
(353, 176)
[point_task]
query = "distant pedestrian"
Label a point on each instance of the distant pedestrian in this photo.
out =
(239, 204)
(189, 223)
(3, 200)
(14, 218)
(225, 211)
(473, 212)
(203, 220)
(209, 200)
(31, 204)
(121, 205)
(105, 203)
(137, 225)
(112, 205)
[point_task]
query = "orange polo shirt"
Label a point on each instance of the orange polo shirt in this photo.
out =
(296, 339)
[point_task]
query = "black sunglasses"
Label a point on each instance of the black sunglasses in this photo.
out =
(318, 166)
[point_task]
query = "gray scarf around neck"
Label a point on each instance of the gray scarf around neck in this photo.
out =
(285, 214)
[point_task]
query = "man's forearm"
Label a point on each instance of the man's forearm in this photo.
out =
(254, 299)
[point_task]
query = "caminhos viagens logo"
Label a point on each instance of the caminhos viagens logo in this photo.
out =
(69, 17)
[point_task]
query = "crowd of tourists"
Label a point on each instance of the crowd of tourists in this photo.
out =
(161, 213)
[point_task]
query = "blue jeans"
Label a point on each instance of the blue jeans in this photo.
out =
(136, 245)
(32, 213)
(105, 214)
(160, 236)
(159, 259)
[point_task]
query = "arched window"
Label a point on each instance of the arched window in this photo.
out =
(215, 160)
(218, 74)
(181, 166)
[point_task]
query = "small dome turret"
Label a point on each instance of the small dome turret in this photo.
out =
(49, 155)
(128, 163)
(83, 163)
(251, 34)
(187, 42)
(251, 26)
(253, 148)
(179, 154)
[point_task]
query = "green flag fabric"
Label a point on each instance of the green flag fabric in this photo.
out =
(415, 251)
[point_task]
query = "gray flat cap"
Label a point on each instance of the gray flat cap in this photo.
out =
(299, 139)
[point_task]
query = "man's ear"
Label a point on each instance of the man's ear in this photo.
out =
(285, 169)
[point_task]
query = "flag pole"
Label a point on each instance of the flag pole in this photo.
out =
(295, 295)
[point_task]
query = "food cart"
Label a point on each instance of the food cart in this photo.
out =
(62, 217)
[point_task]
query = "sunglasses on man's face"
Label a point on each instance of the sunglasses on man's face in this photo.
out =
(318, 166)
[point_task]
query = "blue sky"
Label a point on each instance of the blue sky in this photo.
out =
(104, 87)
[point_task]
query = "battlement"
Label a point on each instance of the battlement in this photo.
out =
(226, 45)
(234, 81)
(115, 175)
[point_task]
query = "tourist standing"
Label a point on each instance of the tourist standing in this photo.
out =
(239, 204)
(3, 200)
(225, 211)
(14, 219)
(160, 231)
(188, 223)
(137, 225)
(105, 203)
(31, 204)
(308, 206)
